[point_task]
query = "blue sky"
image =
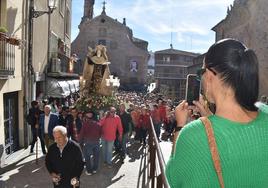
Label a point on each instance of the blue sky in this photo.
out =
(189, 21)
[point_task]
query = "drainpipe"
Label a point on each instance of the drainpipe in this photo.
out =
(26, 73)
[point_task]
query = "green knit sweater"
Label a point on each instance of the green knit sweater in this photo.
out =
(243, 150)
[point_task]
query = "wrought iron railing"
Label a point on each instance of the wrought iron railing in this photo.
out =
(156, 175)
(7, 58)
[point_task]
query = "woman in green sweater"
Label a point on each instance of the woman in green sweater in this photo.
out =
(229, 80)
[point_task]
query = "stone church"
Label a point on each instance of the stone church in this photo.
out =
(128, 55)
(247, 21)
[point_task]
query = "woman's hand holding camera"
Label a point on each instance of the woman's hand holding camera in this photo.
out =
(183, 110)
(202, 106)
(181, 113)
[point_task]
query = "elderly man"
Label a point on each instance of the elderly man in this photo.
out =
(64, 160)
(47, 122)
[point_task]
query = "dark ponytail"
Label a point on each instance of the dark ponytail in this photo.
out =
(246, 91)
(238, 68)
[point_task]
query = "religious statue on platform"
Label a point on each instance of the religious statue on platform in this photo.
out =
(95, 72)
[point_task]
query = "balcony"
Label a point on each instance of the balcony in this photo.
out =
(172, 63)
(175, 76)
(7, 56)
(64, 66)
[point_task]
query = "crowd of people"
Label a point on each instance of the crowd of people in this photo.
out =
(95, 131)
(224, 144)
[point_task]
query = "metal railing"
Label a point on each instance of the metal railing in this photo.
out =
(182, 63)
(156, 159)
(7, 58)
(170, 75)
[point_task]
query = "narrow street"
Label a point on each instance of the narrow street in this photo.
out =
(132, 173)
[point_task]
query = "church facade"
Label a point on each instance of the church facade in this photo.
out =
(246, 21)
(127, 54)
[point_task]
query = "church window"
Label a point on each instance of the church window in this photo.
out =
(103, 42)
(102, 20)
(102, 32)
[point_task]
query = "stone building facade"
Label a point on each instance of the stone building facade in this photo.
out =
(22, 81)
(12, 78)
(171, 69)
(247, 21)
(128, 55)
(197, 64)
(53, 65)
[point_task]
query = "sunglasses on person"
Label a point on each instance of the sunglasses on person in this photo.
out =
(201, 71)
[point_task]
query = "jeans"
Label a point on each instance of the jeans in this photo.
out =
(143, 135)
(107, 151)
(138, 133)
(92, 149)
(124, 143)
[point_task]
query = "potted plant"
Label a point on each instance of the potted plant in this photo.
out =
(14, 41)
(3, 33)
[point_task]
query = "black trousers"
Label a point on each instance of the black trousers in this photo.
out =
(143, 135)
(36, 133)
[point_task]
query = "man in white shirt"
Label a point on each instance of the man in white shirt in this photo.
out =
(47, 122)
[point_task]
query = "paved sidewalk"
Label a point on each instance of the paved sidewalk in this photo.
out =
(132, 173)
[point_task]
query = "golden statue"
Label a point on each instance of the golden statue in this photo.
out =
(95, 72)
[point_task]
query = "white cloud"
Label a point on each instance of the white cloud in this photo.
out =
(162, 17)
(158, 18)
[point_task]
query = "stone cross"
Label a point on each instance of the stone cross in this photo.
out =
(104, 2)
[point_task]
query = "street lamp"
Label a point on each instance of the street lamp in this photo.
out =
(51, 4)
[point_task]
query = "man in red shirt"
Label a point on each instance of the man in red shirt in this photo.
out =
(110, 124)
(90, 136)
(145, 124)
(156, 120)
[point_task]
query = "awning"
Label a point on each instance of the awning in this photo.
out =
(61, 88)
(74, 85)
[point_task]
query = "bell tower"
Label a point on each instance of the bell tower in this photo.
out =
(88, 10)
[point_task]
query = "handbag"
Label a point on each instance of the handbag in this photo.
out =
(213, 149)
